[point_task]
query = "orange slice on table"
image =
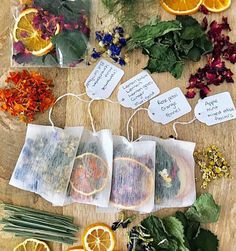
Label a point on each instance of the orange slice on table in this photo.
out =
(80, 248)
(181, 7)
(32, 245)
(89, 175)
(217, 5)
(25, 32)
(98, 237)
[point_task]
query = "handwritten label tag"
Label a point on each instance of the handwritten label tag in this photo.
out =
(215, 109)
(103, 80)
(137, 90)
(168, 106)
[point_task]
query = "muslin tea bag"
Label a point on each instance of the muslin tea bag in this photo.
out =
(90, 181)
(175, 173)
(46, 161)
(133, 179)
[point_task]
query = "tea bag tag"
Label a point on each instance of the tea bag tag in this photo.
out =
(137, 90)
(168, 106)
(215, 109)
(103, 80)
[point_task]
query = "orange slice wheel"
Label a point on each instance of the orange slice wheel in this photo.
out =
(217, 5)
(25, 32)
(32, 245)
(181, 7)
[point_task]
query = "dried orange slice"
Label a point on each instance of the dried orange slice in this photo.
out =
(181, 7)
(80, 248)
(217, 5)
(98, 237)
(89, 175)
(25, 32)
(32, 245)
(132, 183)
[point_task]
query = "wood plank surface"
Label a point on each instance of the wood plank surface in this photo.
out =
(113, 116)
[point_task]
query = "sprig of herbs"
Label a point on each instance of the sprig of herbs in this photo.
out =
(169, 44)
(181, 232)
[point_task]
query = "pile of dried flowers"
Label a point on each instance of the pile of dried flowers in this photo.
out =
(27, 93)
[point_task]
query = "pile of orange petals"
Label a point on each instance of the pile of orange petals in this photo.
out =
(27, 93)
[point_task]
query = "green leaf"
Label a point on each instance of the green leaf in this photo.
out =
(187, 21)
(192, 32)
(205, 44)
(177, 70)
(175, 229)
(204, 210)
(194, 54)
(205, 241)
(162, 58)
(70, 47)
(145, 36)
(70, 10)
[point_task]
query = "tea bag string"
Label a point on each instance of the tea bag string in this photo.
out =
(90, 110)
(78, 96)
(182, 123)
(130, 128)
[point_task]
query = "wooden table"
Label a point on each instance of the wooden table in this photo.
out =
(106, 115)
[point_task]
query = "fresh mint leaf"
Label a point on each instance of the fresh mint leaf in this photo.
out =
(192, 32)
(177, 70)
(205, 241)
(145, 36)
(194, 54)
(205, 44)
(70, 10)
(70, 47)
(204, 210)
(187, 21)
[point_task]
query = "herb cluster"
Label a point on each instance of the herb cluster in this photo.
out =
(182, 232)
(169, 44)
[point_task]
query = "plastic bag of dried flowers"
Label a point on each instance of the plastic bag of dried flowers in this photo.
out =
(133, 180)
(175, 173)
(46, 161)
(90, 181)
(50, 33)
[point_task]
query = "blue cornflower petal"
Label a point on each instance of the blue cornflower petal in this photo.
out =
(98, 36)
(95, 54)
(123, 41)
(115, 50)
(122, 62)
(107, 38)
(119, 30)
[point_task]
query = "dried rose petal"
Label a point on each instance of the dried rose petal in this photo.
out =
(203, 9)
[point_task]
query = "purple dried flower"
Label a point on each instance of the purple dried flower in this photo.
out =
(107, 38)
(121, 62)
(96, 54)
(115, 50)
(19, 47)
(123, 41)
(119, 30)
(203, 9)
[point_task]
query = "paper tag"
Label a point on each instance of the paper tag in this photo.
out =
(215, 109)
(103, 80)
(137, 90)
(168, 106)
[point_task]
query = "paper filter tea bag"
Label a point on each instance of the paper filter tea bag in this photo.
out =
(46, 161)
(133, 179)
(175, 178)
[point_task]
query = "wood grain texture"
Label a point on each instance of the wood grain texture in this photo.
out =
(106, 115)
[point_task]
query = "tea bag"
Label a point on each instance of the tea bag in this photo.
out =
(90, 181)
(175, 179)
(46, 161)
(133, 179)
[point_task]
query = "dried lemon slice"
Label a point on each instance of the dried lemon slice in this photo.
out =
(217, 5)
(32, 245)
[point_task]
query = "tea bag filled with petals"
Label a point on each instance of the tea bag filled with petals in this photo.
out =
(175, 179)
(133, 179)
(46, 161)
(90, 181)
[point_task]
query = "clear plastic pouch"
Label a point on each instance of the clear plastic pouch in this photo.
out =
(50, 33)
(175, 173)
(46, 161)
(90, 181)
(133, 179)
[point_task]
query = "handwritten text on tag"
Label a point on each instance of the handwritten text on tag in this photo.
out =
(103, 80)
(168, 106)
(137, 90)
(215, 109)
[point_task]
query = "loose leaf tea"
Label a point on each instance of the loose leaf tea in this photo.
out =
(169, 44)
(26, 94)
